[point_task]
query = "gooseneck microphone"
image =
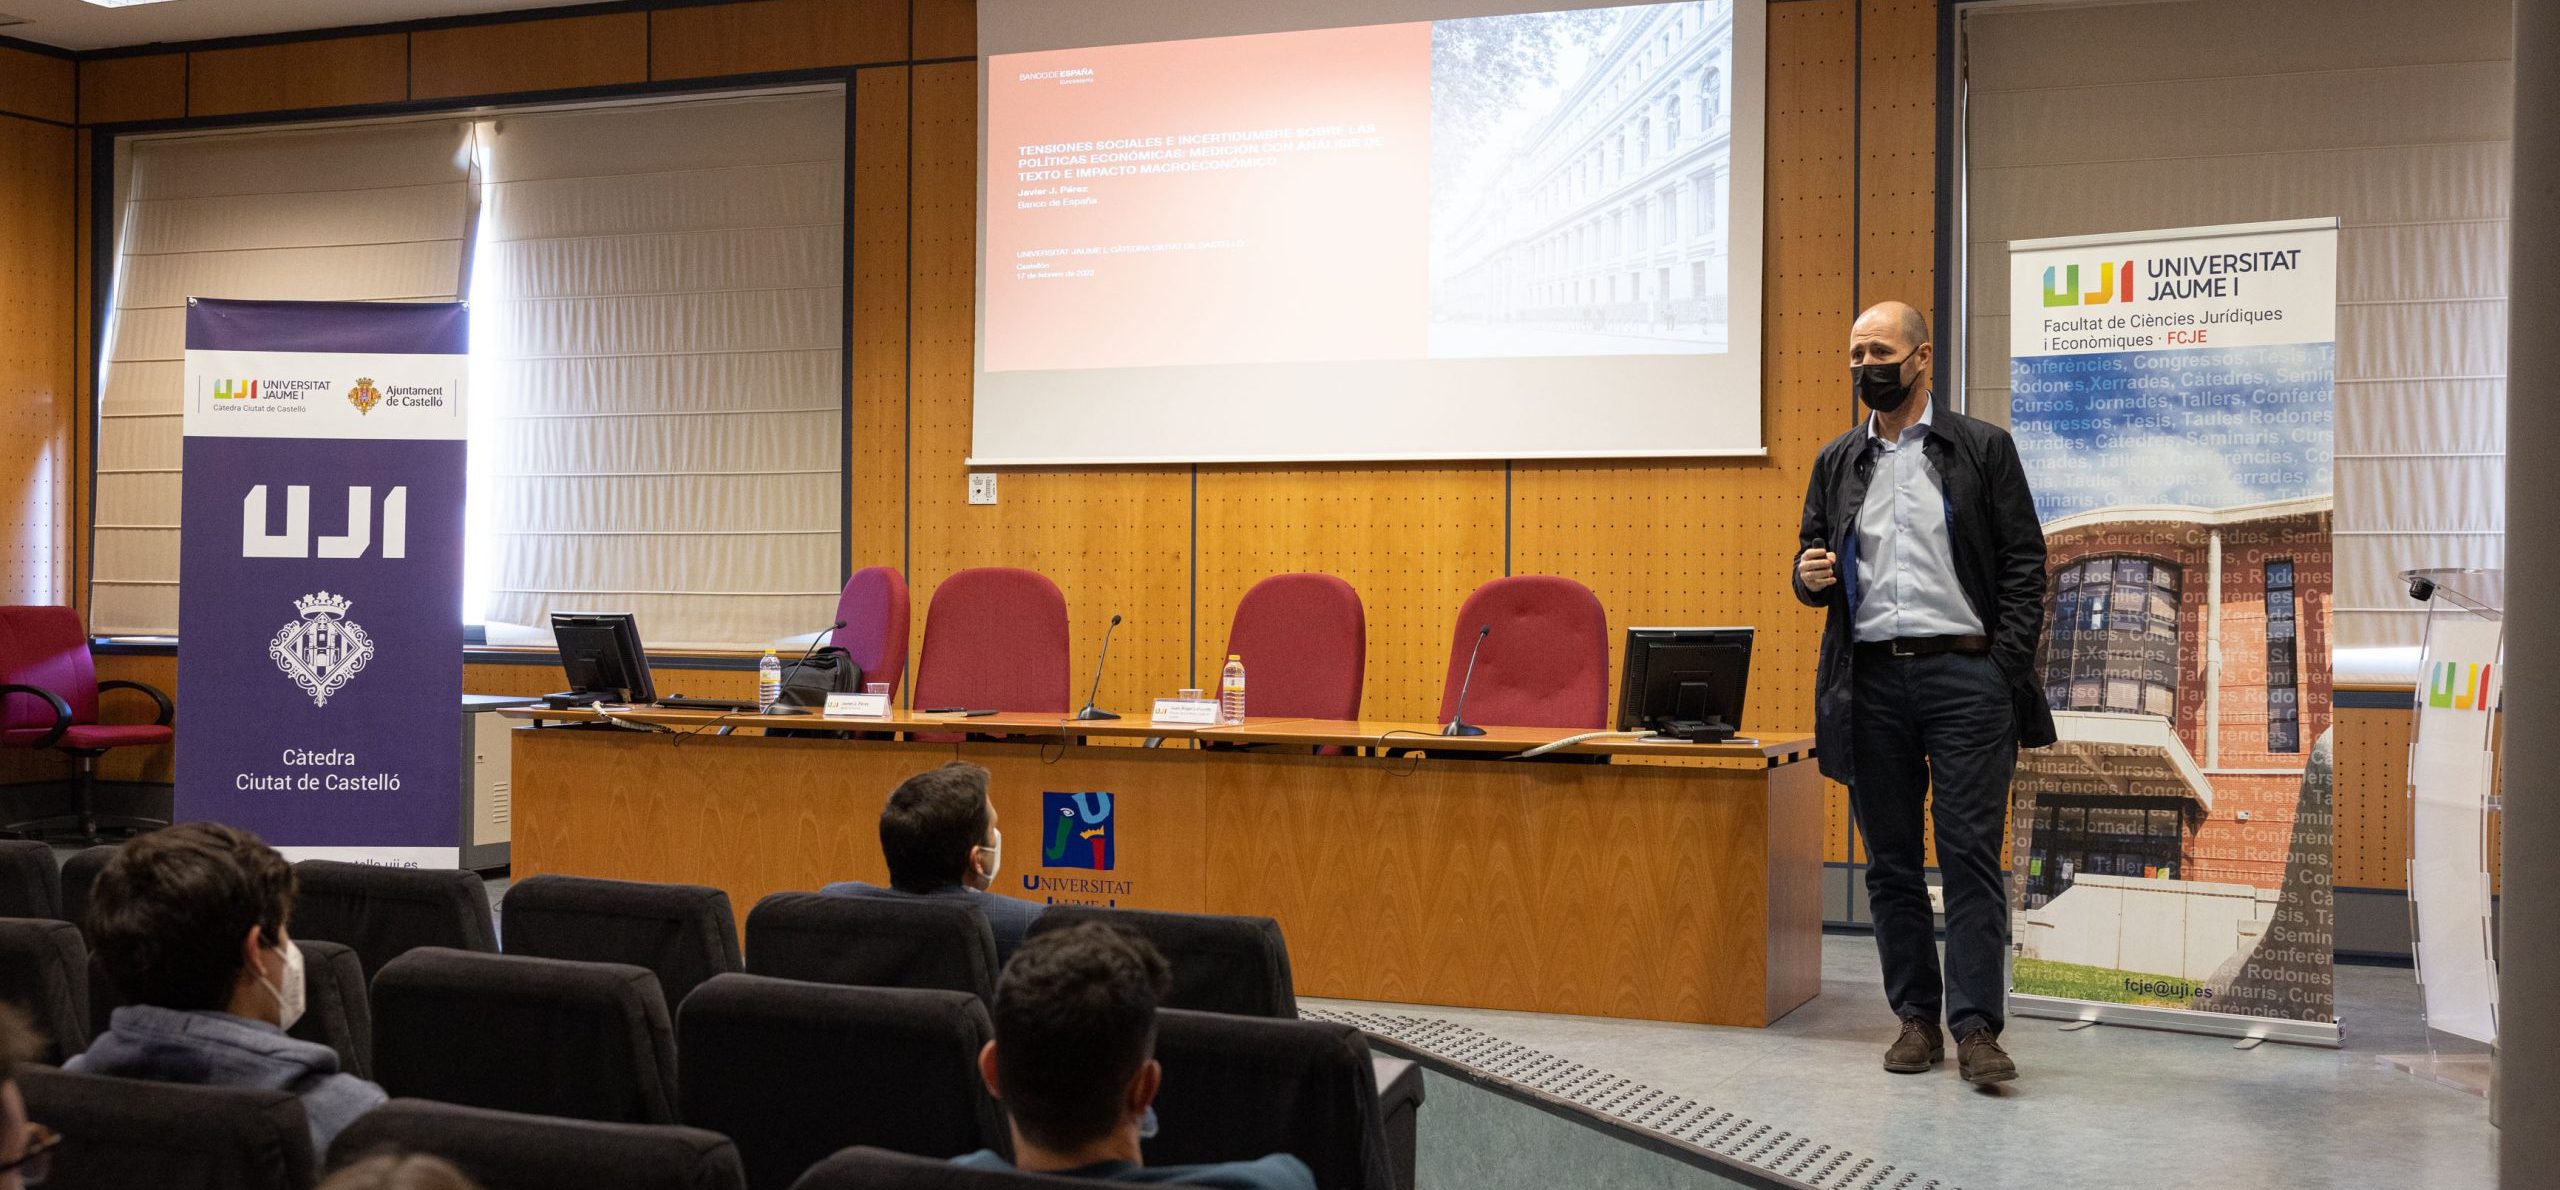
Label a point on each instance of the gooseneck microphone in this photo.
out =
(1091, 711)
(1458, 724)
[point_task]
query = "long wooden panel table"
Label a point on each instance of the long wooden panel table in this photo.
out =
(1650, 880)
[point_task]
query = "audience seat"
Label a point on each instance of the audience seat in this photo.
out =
(878, 942)
(30, 880)
(876, 1169)
(44, 970)
(338, 1008)
(1240, 966)
(79, 871)
(385, 912)
(794, 1071)
(1237, 965)
(1240, 1086)
(995, 637)
(873, 609)
(509, 1151)
(685, 933)
(588, 1041)
(1546, 663)
(124, 1134)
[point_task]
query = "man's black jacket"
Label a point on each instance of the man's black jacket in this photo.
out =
(1999, 561)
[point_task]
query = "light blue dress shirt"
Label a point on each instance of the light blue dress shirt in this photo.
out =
(1906, 557)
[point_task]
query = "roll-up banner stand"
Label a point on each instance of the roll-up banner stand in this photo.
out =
(321, 552)
(2171, 393)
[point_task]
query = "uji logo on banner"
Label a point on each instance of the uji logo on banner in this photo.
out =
(1077, 831)
(2461, 686)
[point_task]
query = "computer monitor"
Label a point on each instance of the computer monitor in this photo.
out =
(1685, 682)
(601, 652)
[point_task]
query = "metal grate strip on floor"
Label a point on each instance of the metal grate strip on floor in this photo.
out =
(1678, 1124)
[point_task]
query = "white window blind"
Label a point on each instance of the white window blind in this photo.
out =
(2392, 116)
(372, 212)
(659, 396)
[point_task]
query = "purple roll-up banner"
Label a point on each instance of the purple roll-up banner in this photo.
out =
(320, 611)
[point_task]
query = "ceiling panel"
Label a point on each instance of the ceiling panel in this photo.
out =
(79, 25)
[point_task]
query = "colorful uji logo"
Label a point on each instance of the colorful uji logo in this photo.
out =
(2114, 284)
(235, 390)
(1077, 832)
(2458, 686)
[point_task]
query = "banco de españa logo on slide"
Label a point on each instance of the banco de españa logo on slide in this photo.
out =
(1076, 831)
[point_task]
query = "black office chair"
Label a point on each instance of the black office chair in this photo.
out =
(385, 912)
(683, 932)
(793, 1071)
(878, 942)
(1236, 965)
(550, 1037)
(120, 1133)
(44, 970)
(1242, 1086)
(30, 880)
(510, 1151)
(878, 1169)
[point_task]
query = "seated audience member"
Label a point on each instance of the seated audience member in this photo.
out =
(400, 1171)
(939, 835)
(189, 923)
(1073, 1063)
(26, 1150)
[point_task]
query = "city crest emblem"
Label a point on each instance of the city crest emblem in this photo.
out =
(324, 650)
(364, 396)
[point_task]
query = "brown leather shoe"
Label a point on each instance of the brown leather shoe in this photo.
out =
(1921, 1045)
(1981, 1060)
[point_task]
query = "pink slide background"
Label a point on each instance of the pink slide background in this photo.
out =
(1334, 259)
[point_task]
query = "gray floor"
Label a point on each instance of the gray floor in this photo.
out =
(2102, 1108)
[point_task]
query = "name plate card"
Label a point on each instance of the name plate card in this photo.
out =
(857, 706)
(1197, 712)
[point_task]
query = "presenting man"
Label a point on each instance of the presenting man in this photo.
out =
(1920, 537)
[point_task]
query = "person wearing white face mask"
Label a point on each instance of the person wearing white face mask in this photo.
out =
(190, 924)
(939, 834)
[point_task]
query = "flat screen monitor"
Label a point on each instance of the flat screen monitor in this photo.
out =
(1685, 682)
(601, 652)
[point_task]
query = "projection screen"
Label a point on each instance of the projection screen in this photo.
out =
(1220, 231)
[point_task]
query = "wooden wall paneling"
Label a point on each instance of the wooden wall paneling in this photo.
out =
(147, 87)
(1413, 540)
(592, 51)
(944, 28)
(1115, 540)
(2371, 790)
(39, 85)
(1898, 152)
(769, 35)
(337, 72)
(75, 550)
(878, 428)
(38, 164)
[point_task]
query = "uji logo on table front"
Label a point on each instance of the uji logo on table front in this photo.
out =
(1077, 831)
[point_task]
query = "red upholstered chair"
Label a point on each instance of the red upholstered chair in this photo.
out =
(1546, 663)
(1304, 640)
(995, 637)
(49, 692)
(874, 611)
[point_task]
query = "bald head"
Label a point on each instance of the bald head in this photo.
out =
(1895, 322)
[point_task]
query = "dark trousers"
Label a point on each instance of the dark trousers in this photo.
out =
(1941, 721)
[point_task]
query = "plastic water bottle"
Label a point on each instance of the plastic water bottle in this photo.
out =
(768, 682)
(1231, 690)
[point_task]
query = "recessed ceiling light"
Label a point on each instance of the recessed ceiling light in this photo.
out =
(123, 3)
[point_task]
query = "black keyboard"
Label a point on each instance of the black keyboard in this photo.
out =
(681, 703)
